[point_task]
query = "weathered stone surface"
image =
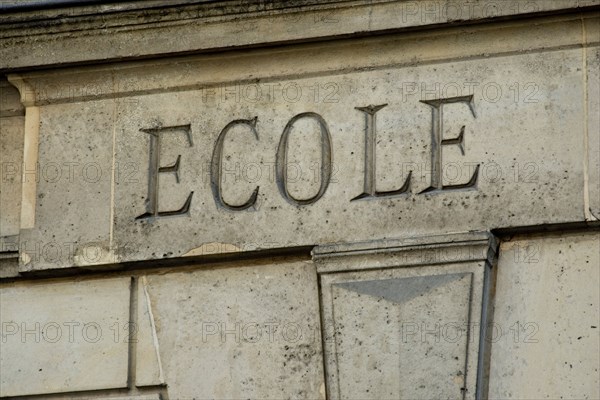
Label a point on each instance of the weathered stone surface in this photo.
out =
(546, 335)
(11, 149)
(383, 135)
(9, 261)
(245, 331)
(63, 336)
(403, 318)
(87, 34)
(592, 61)
(11, 146)
(523, 142)
(74, 175)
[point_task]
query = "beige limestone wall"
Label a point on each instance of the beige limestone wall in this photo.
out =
(300, 200)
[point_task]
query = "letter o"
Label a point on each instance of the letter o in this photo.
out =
(57, 172)
(281, 160)
(50, 256)
(58, 334)
(251, 338)
(92, 253)
(497, 89)
(85, 329)
(297, 332)
(458, 332)
(297, 92)
(97, 171)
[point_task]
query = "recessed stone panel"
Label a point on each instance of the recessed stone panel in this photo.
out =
(396, 329)
(404, 317)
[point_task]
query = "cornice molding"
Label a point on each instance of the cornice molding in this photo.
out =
(139, 30)
(417, 251)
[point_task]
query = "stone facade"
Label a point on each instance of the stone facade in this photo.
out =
(300, 200)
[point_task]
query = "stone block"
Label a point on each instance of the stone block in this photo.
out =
(63, 336)
(545, 342)
(241, 331)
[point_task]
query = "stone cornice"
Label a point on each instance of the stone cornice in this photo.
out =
(136, 30)
(55, 86)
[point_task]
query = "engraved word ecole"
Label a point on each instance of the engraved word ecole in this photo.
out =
(325, 166)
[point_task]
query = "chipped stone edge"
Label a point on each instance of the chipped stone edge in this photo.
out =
(161, 376)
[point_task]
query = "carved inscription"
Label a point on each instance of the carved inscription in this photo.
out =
(437, 141)
(216, 167)
(152, 210)
(370, 190)
(281, 164)
(370, 157)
